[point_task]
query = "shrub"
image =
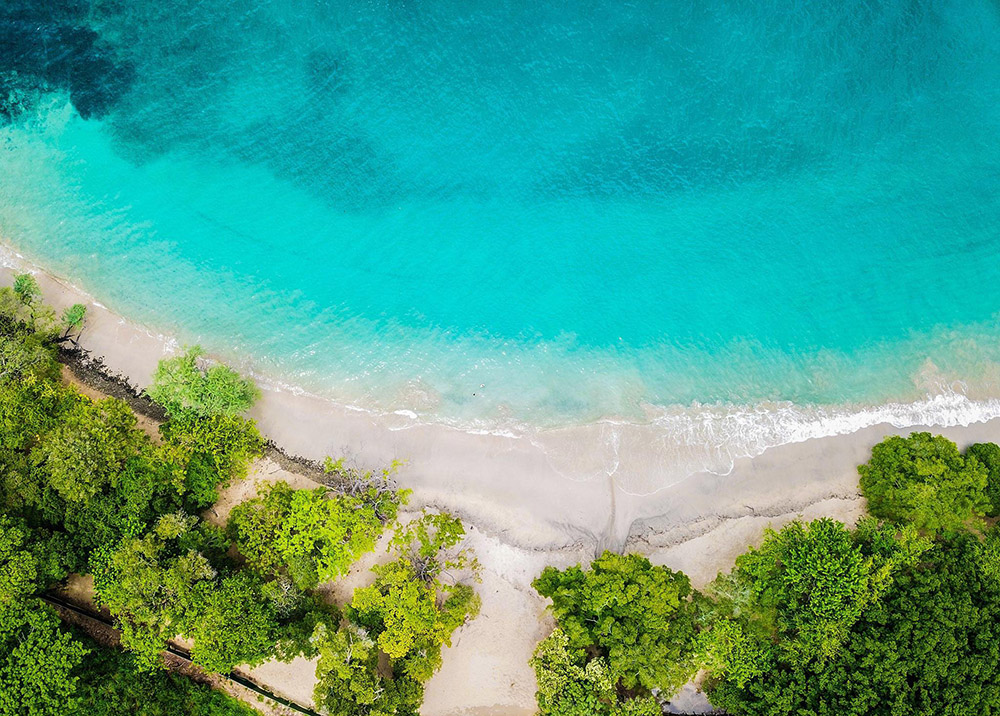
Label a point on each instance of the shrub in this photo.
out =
(181, 385)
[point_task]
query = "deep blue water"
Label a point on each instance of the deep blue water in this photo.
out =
(551, 212)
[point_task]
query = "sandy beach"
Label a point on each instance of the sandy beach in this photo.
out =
(525, 506)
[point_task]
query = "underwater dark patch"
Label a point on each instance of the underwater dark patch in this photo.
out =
(48, 46)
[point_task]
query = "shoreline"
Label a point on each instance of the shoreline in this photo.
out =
(523, 512)
(640, 456)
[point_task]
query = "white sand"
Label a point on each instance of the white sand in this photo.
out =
(526, 508)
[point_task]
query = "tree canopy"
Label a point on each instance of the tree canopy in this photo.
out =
(110, 684)
(148, 584)
(570, 684)
(89, 447)
(925, 481)
(893, 616)
(807, 584)
(310, 535)
(37, 661)
(928, 647)
(406, 615)
(988, 455)
(185, 384)
(641, 618)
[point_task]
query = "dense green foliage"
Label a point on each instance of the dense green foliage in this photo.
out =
(91, 444)
(110, 684)
(83, 488)
(37, 660)
(309, 535)
(806, 585)
(925, 481)
(177, 580)
(639, 618)
(988, 455)
(571, 684)
(232, 622)
(407, 615)
(181, 384)
(214, 449)
(929, 647)
(148, 584)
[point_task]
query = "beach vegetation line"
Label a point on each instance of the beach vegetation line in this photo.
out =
(898, 614)
(85, 489)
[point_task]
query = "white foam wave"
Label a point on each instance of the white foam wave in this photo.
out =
(680, 442)
(674, 443)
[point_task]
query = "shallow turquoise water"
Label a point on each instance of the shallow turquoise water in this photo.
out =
(543, 212)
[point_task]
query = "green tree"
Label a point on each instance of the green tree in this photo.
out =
(231, 623)
(18, 566)
(28, 561)
(148, 584)
(410, 610)
(728, 649)
(181, 384)
(571, 685)
(310, 535)
(349, 681)
(72, 321)
(641, 618)
(21, 304)
(26, 289)
(37, 661)
(988, 455)
(223, 443)
(89, 447)
(404, 616)
(428, 543)
(807, 584)
(923, 480)
(29, 408)
(110, 684)
(927, 648)
(21, 357)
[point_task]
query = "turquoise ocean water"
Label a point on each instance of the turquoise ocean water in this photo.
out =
(491, 213)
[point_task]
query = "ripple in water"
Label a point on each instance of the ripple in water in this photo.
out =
(692, 231)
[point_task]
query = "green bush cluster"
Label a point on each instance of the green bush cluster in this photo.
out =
(310, 536)
(83, 489)
(405, 617)
(898, 615)
(625, 629)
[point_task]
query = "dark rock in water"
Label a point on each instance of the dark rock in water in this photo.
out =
(49, 46)
(18, 94)
(97, 83)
